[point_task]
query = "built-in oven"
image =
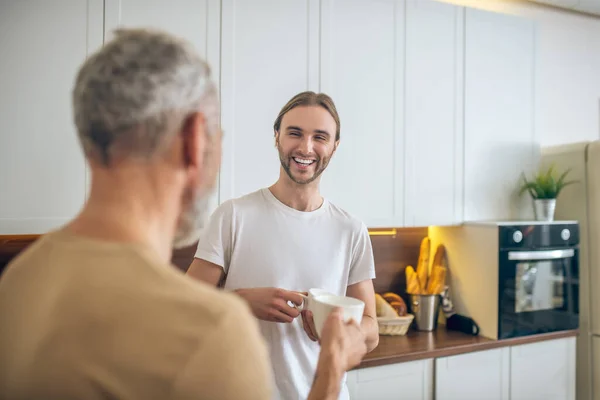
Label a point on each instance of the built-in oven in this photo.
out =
(538, 279)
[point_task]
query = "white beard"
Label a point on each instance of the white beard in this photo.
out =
(192, 222)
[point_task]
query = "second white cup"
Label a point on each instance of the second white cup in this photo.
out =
(321, 304)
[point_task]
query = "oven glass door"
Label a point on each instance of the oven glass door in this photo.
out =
(538, 291)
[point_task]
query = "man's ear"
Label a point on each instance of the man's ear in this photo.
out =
(335, 146)
(276, 138)
(193, 140)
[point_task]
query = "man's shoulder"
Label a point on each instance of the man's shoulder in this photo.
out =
(346, 218)
(244, 202)
(207, 303)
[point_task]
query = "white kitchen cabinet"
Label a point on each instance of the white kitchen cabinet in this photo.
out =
(499, 138)
(410, 380)
(269, 53)
(42, 168)
(435, 100)
(433, 173)
(543, 370)
(197, 21)
(361, 68)
(473, 376)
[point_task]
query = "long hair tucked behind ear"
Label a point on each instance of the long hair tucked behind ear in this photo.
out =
(310, 99)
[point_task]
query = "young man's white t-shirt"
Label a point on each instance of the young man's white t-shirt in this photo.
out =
(261, 242)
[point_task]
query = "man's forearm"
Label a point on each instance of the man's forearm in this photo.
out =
(327, 382)
(371, 330)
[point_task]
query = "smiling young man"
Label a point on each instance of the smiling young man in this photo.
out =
(272, 243)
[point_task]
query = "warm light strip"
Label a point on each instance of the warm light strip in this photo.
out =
(391, 232)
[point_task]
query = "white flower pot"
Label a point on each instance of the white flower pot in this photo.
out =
(544, 209)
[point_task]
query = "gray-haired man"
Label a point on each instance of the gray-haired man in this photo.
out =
(95, 310)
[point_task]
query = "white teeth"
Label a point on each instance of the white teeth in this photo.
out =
(303, 161)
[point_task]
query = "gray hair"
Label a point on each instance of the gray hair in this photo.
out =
(132, 95)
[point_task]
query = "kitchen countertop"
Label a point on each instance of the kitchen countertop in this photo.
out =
(417, 345)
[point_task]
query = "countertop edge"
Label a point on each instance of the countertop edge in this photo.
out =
(462, 349)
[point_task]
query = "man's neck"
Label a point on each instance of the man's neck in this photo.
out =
(300, 197)
(130, 207)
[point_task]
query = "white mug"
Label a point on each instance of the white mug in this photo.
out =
(322, 303)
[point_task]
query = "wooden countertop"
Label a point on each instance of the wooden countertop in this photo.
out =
(442, 343)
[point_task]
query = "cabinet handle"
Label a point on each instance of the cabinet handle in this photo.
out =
(540, 255)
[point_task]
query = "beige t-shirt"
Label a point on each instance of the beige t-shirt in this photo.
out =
(88, 319)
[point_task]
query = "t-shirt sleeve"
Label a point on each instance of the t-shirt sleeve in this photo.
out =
(363, 263)
(231, 363)
(214, 243)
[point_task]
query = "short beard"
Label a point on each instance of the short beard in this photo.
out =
(192, 220)
(322, 164)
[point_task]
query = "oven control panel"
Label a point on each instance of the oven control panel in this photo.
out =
(533, 236)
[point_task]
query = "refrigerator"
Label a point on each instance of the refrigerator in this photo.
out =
(581, 202)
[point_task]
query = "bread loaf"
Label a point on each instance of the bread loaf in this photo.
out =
(390, 305)
(383, 308)
(437, 281)
(412, 281)
(396, 302)
(423, 264)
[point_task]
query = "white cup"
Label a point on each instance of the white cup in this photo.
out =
(321, 304)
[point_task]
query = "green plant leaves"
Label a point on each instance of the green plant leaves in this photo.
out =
(545, 185)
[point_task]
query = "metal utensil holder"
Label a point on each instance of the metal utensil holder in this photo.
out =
(425, 308)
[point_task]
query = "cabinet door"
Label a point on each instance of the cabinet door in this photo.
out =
(197, 21)
(434, 113)
(42, 168)
(499, 114)
(409, 380)
(473, 376)
(269, 54)
(543, 370)
(362, 70)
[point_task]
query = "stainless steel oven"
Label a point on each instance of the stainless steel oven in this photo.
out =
(538, 279)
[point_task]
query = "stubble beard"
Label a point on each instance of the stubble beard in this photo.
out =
(286, 160)
(192, 220)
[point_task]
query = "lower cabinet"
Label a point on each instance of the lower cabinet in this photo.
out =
(542, 370)
(410, 380)
(473, 376)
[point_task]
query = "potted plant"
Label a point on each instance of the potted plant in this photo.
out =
(544, 188)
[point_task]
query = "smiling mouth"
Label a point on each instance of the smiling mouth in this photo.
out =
(303, 162)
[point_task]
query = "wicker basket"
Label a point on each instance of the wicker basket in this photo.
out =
(397, 326)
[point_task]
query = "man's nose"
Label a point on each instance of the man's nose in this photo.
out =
(306, 147)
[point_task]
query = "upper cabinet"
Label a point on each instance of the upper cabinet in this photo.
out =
(194, 20)
(42, 169)
(396, 77)
(197, 21)
(499, 114)
(362, 70)
(436, 101)
(269, 53)
(433, 117)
